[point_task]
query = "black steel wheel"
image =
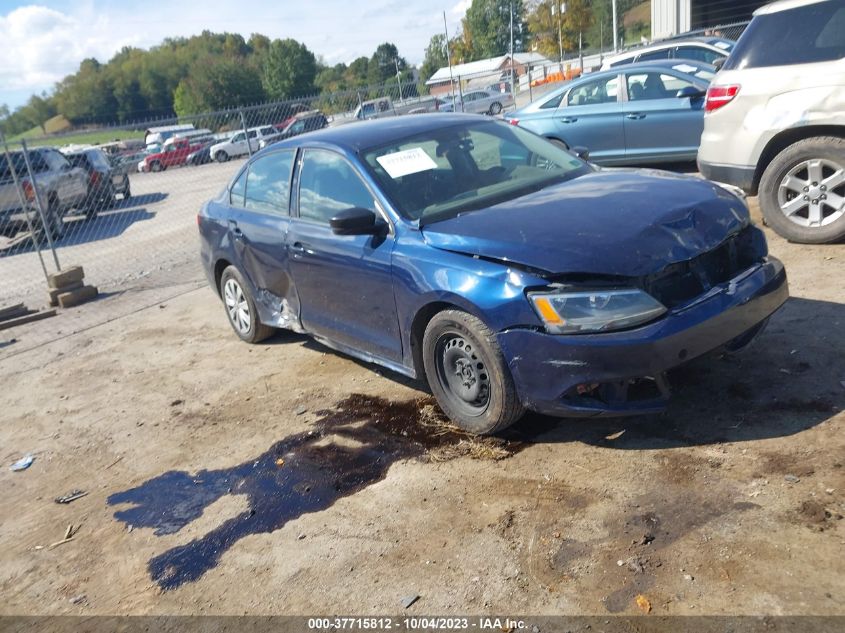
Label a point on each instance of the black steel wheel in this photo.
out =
(468, 375)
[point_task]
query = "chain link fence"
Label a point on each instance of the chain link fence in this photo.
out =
(122, 201)
(126, 209)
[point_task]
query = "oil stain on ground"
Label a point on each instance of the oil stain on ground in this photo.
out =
(351, 447)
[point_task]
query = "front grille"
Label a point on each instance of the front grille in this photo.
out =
(680, 283)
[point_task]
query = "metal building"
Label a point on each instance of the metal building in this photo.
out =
(671, 17)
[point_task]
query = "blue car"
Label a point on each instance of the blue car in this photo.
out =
(505, 271)
(651, 112)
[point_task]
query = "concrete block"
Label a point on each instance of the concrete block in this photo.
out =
(75, 297)
(66, 277)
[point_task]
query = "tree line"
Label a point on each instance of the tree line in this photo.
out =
(213, 71)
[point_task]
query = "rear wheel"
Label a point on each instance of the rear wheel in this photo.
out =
(496, 108)
(802, 191)
(55, 223)
(468, 375)
(240, 307)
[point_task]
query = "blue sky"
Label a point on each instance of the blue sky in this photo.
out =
(46, 41)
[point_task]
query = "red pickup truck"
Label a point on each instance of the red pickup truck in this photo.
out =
(173, 154)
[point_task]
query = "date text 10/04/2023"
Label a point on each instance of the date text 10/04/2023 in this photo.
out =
(415, 624)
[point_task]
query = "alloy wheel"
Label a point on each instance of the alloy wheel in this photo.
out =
(812, 193)
(237, 306)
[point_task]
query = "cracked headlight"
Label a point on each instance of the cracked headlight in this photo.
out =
(595, 310)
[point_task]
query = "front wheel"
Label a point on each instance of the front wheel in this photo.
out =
(468, 375)
(156, 166)
(221, 156)
(802, 191)
(240, 307)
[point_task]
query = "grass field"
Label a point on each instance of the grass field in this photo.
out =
(35, 137)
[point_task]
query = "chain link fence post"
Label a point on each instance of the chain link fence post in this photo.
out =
(22, 200)
(45, 225)
(246, 134)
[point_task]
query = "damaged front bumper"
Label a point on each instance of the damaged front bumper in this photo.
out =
(622, 373)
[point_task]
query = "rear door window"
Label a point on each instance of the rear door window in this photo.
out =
(595, 92)
(664, 53)
(268, 183)
(803, 35)
(697, 53)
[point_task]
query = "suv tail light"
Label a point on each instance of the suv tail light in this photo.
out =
(720, 96)
(94, 179)
(28, 191)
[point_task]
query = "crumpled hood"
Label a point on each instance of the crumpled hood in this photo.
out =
(613, 222)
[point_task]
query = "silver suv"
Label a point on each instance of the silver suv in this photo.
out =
(774, 121)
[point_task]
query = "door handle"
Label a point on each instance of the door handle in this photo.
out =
(568, 119)
(635, 116)
(236, 231)
(301, 248)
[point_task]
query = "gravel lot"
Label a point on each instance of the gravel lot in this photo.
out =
(287, 479)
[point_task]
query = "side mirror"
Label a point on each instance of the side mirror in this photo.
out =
(354, 221)
(691, 92)
(581, 152)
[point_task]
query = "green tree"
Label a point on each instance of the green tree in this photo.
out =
(217, 84)
(289, 70)
(435, 57)
(488, 23)
(549, 30)
(87, 96)
(383, 64)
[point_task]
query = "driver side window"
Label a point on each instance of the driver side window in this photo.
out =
(328, 184)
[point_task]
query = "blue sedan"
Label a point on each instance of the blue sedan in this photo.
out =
(505, 271)
(651, 112)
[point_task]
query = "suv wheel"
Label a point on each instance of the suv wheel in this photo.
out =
(802, 191)
(155, 166)
(468, 375)
(55, 223)
(221, 156)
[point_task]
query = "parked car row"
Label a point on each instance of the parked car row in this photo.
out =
(770, 122)
(79, 178)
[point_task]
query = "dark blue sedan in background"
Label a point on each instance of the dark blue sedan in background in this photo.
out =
(506, 272)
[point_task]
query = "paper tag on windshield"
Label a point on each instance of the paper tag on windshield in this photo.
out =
(409, 161)
(685, 68)
(723, 45)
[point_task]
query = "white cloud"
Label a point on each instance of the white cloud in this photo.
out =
(460, 9)
(43, 45)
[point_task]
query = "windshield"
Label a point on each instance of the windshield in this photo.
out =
(801, 35)
(443, 172)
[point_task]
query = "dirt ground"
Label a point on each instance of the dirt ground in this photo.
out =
(284, 478)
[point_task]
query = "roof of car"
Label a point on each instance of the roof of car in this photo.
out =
(667, 43)
(784, 5)
(365, 134)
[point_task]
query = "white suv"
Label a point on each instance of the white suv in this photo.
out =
(774, 121)
(237, 144)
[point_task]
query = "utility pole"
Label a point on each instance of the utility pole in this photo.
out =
(615, 27)
(559, 9)
(398, 77)
(449, 58)
(513, 82)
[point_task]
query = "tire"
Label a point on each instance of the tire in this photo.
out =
(155, 166)
(221, 156)
(558, 143)
(240, 307)
(801, 196)
(55, 222)
(495, 108)
(483, 398)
